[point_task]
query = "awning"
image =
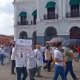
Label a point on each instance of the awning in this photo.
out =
(50, 4)
(74, 2)
(23, 14)
(34, 13)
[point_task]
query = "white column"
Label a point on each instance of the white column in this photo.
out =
(15, 21)
(15, 14)
(60, 9)
(15, 33)
(38, 10)
(64, 8)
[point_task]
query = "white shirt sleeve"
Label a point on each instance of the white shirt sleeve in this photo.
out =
(56, 54)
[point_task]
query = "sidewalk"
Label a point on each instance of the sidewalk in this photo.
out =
(5, 73)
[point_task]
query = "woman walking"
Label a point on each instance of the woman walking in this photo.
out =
(48, 58)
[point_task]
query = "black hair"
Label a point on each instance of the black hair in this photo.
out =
(47, 46)
(58, 44)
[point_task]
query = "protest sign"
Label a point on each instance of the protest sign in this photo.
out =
(24, 42)
(24, 46)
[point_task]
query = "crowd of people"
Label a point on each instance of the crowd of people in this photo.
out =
(5, 52)
(48, 57)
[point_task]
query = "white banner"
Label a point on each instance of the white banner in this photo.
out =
(24, 46)
(24, 42)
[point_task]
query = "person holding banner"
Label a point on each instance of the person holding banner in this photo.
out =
(23, 58)
(31, 64)
(20, 59)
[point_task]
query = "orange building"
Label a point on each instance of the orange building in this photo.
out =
(5, 39)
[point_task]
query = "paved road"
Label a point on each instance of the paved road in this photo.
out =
(5, 73)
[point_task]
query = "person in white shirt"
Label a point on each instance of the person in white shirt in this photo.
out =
(59, 63)
(31, 64)
(13, 60)
(20, 60)
(2, 52)
(39, 60)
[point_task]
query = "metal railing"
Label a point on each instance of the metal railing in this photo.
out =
(22, 23)
(33, 22)
(51, 16)
(72, 15)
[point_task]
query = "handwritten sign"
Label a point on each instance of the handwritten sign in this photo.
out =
(24, 42)
(24, 46)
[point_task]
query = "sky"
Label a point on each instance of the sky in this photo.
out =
(6, 17)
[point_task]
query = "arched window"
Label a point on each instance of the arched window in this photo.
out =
(50, 33)
(23, 35)
(75, 32)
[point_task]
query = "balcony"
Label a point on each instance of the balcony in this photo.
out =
(33, 22)
(22, 23)
(53, 16)
(73, 15)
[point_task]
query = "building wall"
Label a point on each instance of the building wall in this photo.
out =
(62, 24)
(27, 6)
(5, 39)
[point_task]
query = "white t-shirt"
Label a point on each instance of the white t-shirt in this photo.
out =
(2, 51)
(52, 50)
(39, 58)
(31, 60)
(57, 54)
(12, 55)
(20, 59)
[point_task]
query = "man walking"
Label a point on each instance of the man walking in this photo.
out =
(2, 52)
(13, 60)
(59, 63)
(20, 60)
(69, 58)
(39, 59)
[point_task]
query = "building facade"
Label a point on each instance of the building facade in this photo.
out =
(41, 20)
(4, 39)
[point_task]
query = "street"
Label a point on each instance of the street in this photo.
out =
(6, 75)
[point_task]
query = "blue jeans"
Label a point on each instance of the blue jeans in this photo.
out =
(23, 71)
(2, 59)
(12, 66)
(69, 68)
(59, 70)
(38, 71)
(32, 73)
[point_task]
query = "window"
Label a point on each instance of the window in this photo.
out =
(23, 17)
(51, 13)
(34, 13)
(50, 10)
(74, 10)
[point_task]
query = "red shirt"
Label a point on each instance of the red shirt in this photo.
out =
(78, 50)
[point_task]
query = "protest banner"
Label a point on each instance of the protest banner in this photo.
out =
(24, 42)
(24, 46)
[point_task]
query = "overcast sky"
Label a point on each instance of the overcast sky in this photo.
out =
(6, 17)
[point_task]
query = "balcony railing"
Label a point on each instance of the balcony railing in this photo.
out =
(73, 15)
(33, 22)
(53, 16)
(22, 23)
